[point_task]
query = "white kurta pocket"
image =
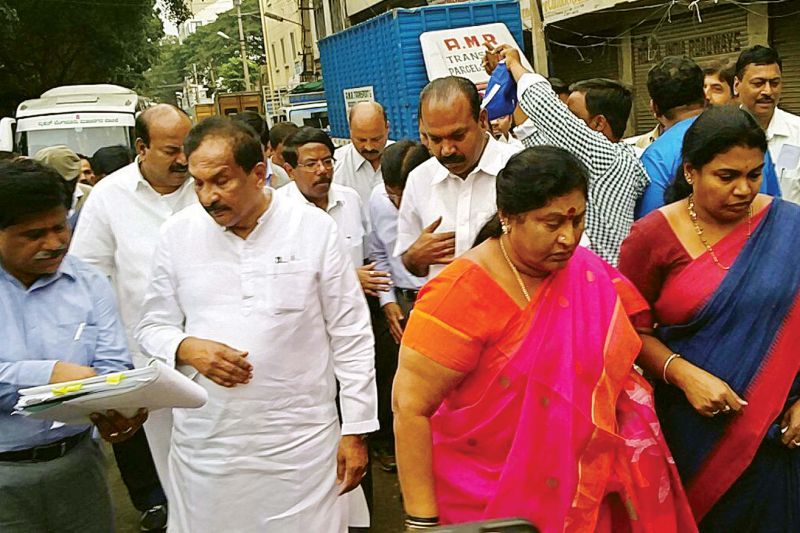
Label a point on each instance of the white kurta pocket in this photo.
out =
(288, 286)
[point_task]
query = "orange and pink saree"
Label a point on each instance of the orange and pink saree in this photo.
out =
(551, 422)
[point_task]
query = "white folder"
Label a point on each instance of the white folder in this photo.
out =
(155, 386)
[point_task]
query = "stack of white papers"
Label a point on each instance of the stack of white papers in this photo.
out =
(155, 386)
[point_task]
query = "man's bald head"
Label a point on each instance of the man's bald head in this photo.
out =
(366, 112)
(161, 113)
(160, 132)
(445, 91)
(369, 130)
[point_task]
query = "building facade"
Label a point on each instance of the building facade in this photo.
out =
(203, 12)
(623, 40)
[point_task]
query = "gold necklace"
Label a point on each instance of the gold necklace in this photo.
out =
(515, 271)
(699, 230)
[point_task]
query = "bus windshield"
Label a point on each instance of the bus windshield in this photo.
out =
(82, 140)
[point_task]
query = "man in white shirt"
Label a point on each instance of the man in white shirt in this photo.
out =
(308, 156)
(358, 164)
(449, 198)
(252, 294)
(277, 136)
(758, 84)
(118, 233)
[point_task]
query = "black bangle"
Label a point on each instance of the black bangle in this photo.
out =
(416, 522)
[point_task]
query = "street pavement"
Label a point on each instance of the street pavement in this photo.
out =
(387, 517)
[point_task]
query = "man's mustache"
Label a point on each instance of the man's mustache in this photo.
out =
(452, 159)
(183, 169)
(49, 254)
(323, 181)
(216, 206)
(765, 100)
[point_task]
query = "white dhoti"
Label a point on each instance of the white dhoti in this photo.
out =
(255, 471)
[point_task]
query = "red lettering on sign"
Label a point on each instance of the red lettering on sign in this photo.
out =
(452, 44)
(489, 38)
(472, 41)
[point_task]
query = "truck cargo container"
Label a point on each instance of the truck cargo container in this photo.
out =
(202, 111)
(234, 103)
(382, 58)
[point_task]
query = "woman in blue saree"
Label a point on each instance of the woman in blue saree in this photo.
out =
(719, 267)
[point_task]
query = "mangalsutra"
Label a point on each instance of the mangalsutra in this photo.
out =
(515, 271)
(699, 230)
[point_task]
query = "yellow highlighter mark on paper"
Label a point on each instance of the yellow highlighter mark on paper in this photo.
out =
(66, 389)
(114, 379)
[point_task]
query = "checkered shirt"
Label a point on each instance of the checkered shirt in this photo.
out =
(616, 177)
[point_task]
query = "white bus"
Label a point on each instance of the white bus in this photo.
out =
(83, 117)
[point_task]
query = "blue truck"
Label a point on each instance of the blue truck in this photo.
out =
(382, 58)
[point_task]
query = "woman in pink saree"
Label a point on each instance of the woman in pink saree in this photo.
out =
(516, 393)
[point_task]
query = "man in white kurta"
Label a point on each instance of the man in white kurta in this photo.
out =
(253, 292)
(119, 227)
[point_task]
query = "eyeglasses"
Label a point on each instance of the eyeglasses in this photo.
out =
(327, 164)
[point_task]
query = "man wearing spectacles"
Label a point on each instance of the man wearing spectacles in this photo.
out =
(308, 156)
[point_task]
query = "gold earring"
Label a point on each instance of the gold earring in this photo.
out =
(504, 225)
(688, 178)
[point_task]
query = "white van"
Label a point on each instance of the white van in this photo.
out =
(311, 114)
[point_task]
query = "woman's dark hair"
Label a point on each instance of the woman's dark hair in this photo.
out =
(28, 188)
(533, 178)
(399, 159)
(714, 132)
(110, 159)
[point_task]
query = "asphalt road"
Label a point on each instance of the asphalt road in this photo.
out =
(386, 518)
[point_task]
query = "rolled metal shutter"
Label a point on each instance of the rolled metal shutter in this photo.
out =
(571, 65)
(784, 36)
(721, 35)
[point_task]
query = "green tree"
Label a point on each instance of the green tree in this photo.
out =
(214, 60)
(47, 43)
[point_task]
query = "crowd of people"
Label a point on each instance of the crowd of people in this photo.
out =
(523, 313)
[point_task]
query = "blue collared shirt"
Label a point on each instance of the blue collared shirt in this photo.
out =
(380, 246)
(662, 159)
(70, 316)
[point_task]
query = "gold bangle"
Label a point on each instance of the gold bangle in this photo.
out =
(666, 365)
